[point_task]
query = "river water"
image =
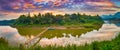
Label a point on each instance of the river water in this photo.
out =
(107, 32)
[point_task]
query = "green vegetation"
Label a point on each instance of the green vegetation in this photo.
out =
(58, 20)
(105, 45)
(3, 41)
(5, 46)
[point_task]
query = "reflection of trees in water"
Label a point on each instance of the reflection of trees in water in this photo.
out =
(115, 21)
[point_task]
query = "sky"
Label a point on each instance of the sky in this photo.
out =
(12, 9)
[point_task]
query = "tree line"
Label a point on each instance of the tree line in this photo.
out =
(50, 19)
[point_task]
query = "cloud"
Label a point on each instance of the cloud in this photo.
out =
(116, 2)
(66, 6)
(3, 14)
(23, 5)
(9, 15)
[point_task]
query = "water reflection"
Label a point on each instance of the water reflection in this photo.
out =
(12, 35)
(106, 32)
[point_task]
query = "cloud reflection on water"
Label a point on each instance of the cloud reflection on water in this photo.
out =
(12, 35)
(106, 32)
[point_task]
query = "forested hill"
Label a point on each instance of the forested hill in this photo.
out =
(115, 16)
(7, 22)
(48, 19)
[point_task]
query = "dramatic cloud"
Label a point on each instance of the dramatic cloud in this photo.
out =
(21, 5)
(116, 2)
(67, 6)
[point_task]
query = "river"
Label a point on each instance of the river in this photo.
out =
(107, 32)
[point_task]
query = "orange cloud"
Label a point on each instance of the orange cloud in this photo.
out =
(27, 5)
(60, 2)
(16, 7)
(107, 4)
(37, 0)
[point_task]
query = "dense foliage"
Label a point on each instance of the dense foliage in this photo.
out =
(48, 19)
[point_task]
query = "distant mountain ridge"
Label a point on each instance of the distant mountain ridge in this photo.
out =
(116, 16)
(6, 22)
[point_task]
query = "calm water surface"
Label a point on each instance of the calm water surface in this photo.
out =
(106, 32)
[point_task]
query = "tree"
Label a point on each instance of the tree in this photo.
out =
(50, 19)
